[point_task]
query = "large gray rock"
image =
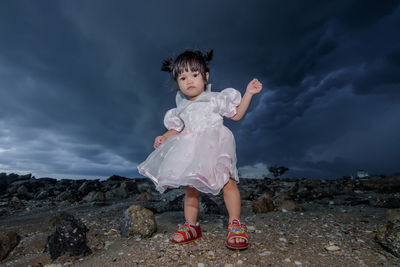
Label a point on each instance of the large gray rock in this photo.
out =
(8, 241)
(138, 220)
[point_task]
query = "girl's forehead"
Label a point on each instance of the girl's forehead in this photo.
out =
(186, 71)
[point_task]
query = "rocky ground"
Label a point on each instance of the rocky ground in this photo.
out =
(292, 222)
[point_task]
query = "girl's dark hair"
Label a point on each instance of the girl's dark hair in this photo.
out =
(195, 60)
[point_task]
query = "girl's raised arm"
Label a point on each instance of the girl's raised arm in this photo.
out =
(254, 87)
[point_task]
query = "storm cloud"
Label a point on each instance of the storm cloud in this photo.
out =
(82, 94)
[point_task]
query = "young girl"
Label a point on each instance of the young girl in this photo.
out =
(198, 151)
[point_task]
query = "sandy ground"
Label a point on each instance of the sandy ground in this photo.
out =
(276, 238)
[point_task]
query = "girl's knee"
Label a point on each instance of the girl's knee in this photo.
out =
(230, 185)
(192, 192)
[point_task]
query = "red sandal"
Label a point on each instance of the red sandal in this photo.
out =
(237, 230)
(189, 232)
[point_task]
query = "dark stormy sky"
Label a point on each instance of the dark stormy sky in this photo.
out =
(82, 94)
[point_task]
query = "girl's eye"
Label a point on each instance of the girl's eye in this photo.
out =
(182, 79)
(195, 75)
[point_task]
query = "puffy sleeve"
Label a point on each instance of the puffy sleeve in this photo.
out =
(227, 101)
(173, 121)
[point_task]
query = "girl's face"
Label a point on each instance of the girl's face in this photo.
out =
(191, 83)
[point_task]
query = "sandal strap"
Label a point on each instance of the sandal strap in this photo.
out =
(187, 231)
(237, 230)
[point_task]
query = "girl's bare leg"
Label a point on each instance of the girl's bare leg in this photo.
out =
(232, 203)
(191, 208)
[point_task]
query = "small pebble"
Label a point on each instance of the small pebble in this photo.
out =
(240, 262)
(265, 253)
(200, 264)
(283, 239)
(297, 263)
(287, 260)
(332, 248)
(251, 228)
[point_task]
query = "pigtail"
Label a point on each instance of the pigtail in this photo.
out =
(167, 65)
(208, 57)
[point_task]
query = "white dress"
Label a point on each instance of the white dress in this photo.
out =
(203, 154)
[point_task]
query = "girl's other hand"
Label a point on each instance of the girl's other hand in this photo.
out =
(254, 87)
(158, 141)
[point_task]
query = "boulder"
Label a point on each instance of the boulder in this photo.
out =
(68, 236)
(42, 194)
(393, 215)
(95, 196)
(209, 206)
(290, 205)
(16, 204)
(145, 196)
(390, 184)
(389, 238)
(144, 187)
(8, 241)
(263, 204)
(138, 220)
(120, 192)
(69, 195)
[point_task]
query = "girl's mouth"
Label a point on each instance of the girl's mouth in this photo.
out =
(190, 87)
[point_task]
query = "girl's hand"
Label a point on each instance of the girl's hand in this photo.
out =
(158, 141)
(254, 87)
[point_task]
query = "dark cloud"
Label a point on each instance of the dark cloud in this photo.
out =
(81, 93)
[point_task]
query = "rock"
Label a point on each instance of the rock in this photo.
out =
(290, 205)
(138, 220)
(144, 187)
(381, 184)
(393, 215)
(68, 236)
(119, 192)
(56, 219)
(264, 204)
(95, 196)
(209, 206)
(390, 203)
(86, 187)
(69, 195)
(8, 241)
(332, 247)
(247, 195)
(22, 190)
(145, 196)
(172, 200)
(117, 178)
(16, 203)
(389, 237)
